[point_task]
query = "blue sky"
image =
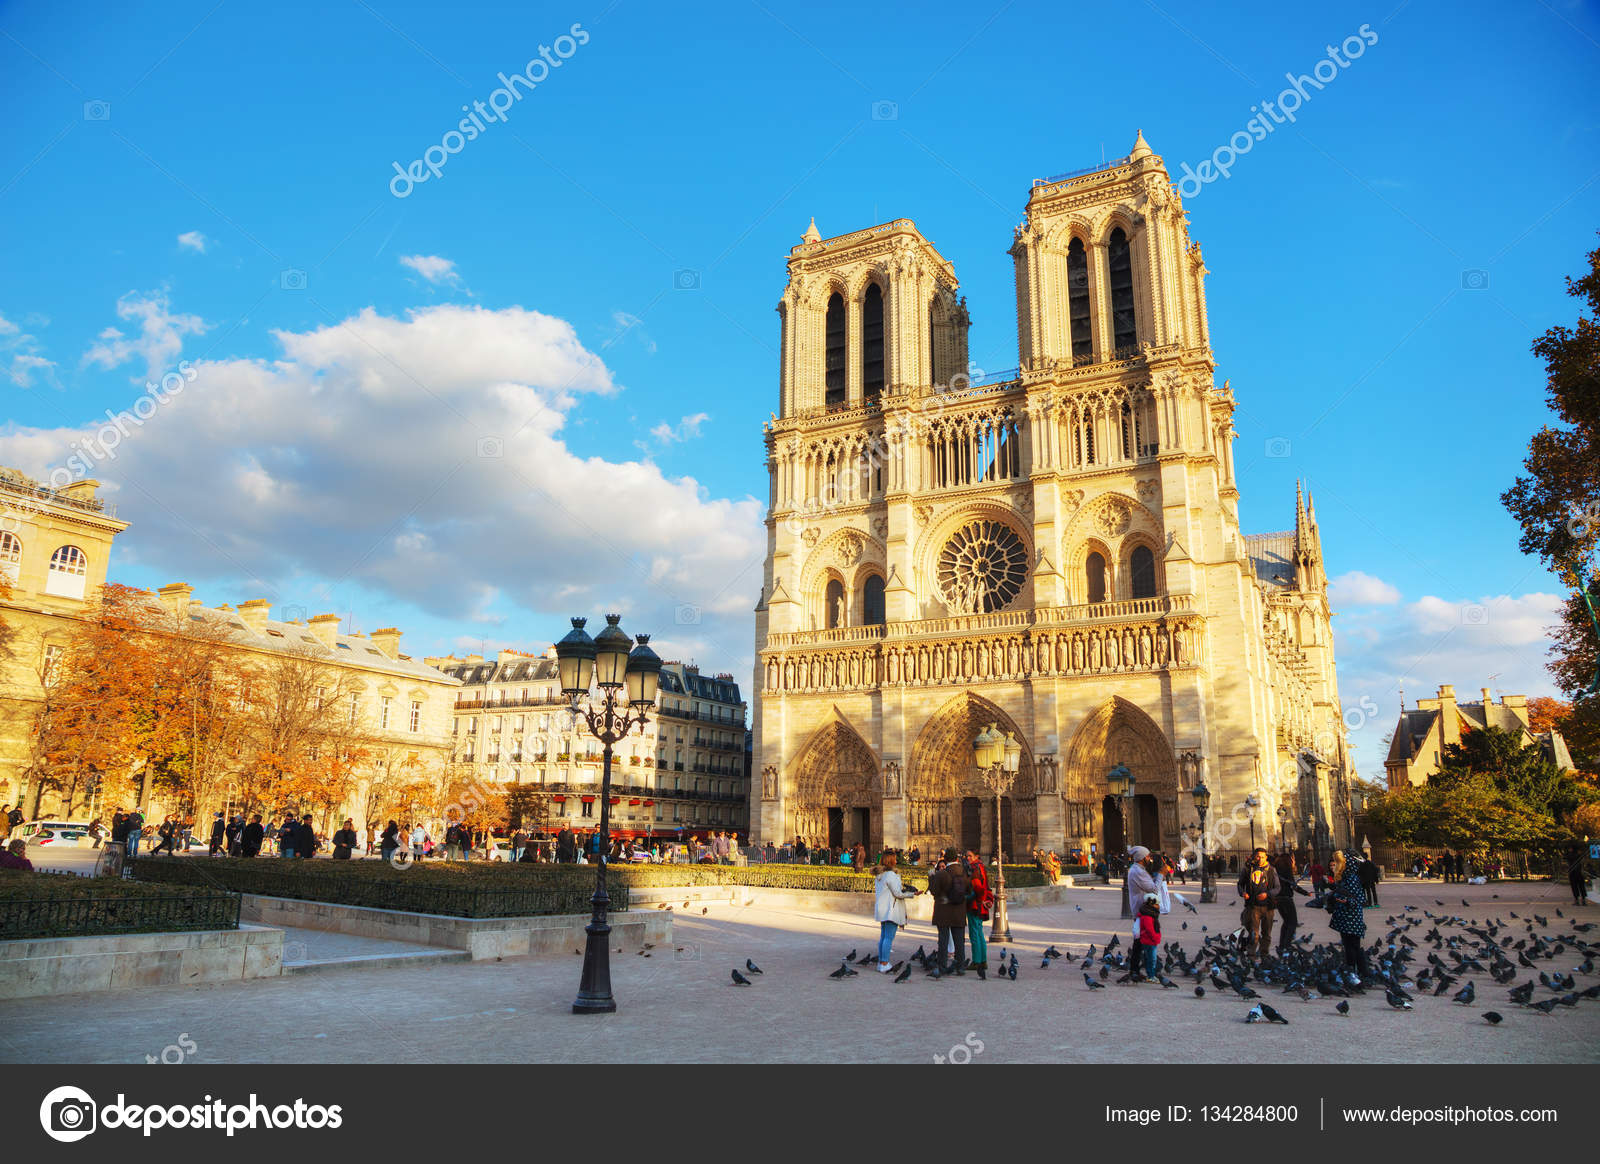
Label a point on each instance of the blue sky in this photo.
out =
(534, 385)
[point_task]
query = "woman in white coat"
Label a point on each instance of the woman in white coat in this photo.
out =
(889, 907)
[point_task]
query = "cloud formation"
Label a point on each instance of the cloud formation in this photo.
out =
(1360, 589)
(193, 240)
(425, 457)
(433, 268)
(159, 338)
(687, 429)
(19, 355)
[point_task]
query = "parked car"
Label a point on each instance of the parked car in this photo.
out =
(58, 845)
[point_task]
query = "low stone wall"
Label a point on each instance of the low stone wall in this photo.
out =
(30, 967)
(645, 899)
(481, 937)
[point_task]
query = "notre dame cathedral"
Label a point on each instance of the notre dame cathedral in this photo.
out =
(1055, 551)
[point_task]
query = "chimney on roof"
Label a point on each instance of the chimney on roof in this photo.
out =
(254, 613)
(1449, 717)
(80, 490)
(1487, 702)
(387, 640)
(326, 628)
(175, 597)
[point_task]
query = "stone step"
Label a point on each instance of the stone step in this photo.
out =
(376, 961)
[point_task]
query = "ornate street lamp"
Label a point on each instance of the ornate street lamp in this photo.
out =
(1250, 805)
(998, 759)
(1283, 827)
(1311, 833)
(1202, 802)
(605, 660)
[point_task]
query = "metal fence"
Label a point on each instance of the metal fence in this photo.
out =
(400, 891)
(93, 913)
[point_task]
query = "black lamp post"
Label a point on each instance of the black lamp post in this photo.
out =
(1283, 827)
(1250, 803)
(1202, 801)
(998, 759)
(606, 661)
(1311, 833)
(1122, 783)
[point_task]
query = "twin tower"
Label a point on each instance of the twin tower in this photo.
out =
(1055, 550)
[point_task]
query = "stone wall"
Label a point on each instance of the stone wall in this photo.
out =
(30, 967)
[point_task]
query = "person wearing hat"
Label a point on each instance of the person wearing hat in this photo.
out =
(218, 833)
(949, 888)
(1138, 882)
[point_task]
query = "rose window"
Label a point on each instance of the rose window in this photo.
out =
(982, 567)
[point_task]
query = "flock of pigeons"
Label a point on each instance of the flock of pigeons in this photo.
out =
(1431, 964)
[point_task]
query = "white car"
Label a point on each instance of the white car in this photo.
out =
(58, 846)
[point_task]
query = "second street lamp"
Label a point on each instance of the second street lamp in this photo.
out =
(607, 661)
(1202, 801)
(1283, 827)
(998, 759)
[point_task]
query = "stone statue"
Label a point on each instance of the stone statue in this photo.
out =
(838, 612)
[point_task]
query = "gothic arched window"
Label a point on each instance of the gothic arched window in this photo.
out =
(1142, 572)
(834, 352)
(1078, 300)
(872, 342)
(1124, 331)
(872, 608)
(1095, 568)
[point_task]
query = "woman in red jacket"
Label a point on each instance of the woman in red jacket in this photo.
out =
(978, 913)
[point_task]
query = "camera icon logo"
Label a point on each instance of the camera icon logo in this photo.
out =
(1278, 447)
(1473, 614)
(885, 111)
(67, 1114)
(689, 952)
(1475, 280)
(687, 614)
(293, 279)
(686, 280)
(97, 111)
(291, 612)
(491, 447)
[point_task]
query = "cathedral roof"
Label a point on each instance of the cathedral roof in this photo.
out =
(1272, 556)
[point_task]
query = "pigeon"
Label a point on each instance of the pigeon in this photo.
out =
(1522, 993)
(1188, 907)
(1011, 971)
(1092, 984)
(1045, 965)
(1271, 1015)
(1493, 1018)
(1397, 1000)
(904, 974)
(1079, 908)
(843, 971)
(751, 966)
(1545, 1006)
(920, 957)
(1342, 1006)
(851, 956)
(1052, 952)
(1166, 983)
(1466, 994)
(1199, 991)
(739, 979)
(869, 956)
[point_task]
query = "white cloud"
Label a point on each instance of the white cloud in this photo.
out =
(193, 240)
(160, 337)
(626, 324)
(426, 458)
(1360, 589)
(433, 268)
(19, 355)
(686, 429)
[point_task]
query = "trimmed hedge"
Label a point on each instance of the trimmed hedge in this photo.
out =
(455, 889)
(60, 905)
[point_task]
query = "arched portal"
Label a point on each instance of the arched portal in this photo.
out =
(834, 790)
(942, 782)
(1120, 732)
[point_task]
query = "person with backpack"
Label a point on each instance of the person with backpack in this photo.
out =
(1368, 872)
(978, 912)
(134, 823)
(1260, 888)
(949, 887)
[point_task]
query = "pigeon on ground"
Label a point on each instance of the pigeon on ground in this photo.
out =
(920, 957)
(1271, 1015)
(751, 966)
(869, 956)
(1045, 965)
(1545, 1006)
(1522, 993)
(1011, 971)
(1493, 1018)
(1466, 994)
(1079, 908)
(1166, 983)
(1342, 1006)
(1092, 984)
(1397, 1000)
(739, 979)
(843, 971)
(1052, 952)
(851, 956)
(904, 974)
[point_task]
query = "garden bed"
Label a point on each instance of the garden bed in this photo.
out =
(61, 905)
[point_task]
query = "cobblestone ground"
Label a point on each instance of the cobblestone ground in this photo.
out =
(678, 1005)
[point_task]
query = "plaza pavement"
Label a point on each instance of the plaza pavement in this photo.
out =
(678, 1005)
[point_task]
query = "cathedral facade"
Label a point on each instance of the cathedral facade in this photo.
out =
(1055, 551)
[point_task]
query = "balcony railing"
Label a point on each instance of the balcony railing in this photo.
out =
(510, 704)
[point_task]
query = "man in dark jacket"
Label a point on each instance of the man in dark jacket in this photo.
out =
(306, 845)
(1260, 888)
(566, 850)
(1368, 872)
(236, 835)
(219, 833)
(251, 836)
(1288, 916)
(948, 888)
